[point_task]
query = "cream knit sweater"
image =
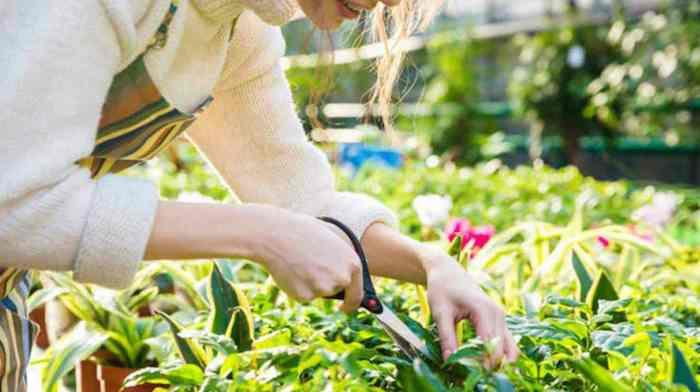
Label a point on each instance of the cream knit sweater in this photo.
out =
(57, 60)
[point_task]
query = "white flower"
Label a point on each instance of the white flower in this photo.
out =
(432, 209)
(660, 211)
(575, 57)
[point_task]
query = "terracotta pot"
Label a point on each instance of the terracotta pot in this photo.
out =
(86, 376)
(111, 378)
(38, 316)
(86, 372)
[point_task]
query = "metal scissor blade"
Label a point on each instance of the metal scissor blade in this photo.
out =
(407, 341)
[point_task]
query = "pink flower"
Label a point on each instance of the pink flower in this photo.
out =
(604, 242)
(457, 227)
(477, 236)
(481, 235)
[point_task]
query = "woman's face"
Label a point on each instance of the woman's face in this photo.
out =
(329, 14)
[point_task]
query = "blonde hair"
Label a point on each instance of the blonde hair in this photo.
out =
(390, 26)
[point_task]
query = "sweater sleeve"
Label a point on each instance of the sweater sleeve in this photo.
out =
(58, 63)
(253, 137)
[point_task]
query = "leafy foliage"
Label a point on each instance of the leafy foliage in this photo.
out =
(576, 333)
(652, 88)
(549, 84)
(455, 123)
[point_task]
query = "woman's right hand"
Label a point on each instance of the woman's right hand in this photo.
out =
(304, 255)
(306, 258)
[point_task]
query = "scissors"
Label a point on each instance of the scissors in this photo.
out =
(399, 332)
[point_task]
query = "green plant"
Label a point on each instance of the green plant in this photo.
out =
(548, 86)
(454, 125)
(202, 353)
(587, 316)
(108, 321)
(652, 89)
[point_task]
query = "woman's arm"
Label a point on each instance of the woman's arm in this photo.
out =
(304, 256)
(452, 294)
(253, 137)
(184, 231)
(392, 255)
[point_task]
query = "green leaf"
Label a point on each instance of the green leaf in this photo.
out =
(614, 340)
(680, 371)
(584, 279)
(419, 378)
(142, 298)
(42, 296)
(470, 351)
(600, 377)
(221, 343)
(223, 299)
(601, 289)
(214, 383)
(78, 298)
(185, 282)
(641, 343)
(502, 383)
(186, 374)
(455, 247)
(224, 319)
(275, 339)
(521, 326)
(188, 350)
(74, 347)
(241, 330)
(430, 342)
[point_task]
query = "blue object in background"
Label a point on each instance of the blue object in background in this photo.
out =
(355, 155)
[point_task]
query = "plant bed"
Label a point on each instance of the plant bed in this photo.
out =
(596, 301)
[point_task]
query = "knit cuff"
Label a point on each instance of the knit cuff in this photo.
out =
(273, 12)
(116, 232)
(358, 212)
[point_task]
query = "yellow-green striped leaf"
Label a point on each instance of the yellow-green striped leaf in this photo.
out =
(680, 371)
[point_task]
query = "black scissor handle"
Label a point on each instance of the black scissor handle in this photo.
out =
(370, 301)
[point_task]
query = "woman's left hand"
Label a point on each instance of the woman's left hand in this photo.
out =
(452, 293)
(454, 296)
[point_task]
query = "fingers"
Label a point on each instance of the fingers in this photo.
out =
(302, 295)
(353, 292)
(446, 329)
(489, 326)
(486, 333)
(512, 351)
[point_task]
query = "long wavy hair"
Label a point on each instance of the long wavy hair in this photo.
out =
(388, 26)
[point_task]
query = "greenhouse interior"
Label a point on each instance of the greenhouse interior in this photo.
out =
(509, 195)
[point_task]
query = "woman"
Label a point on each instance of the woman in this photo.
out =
(90, 88)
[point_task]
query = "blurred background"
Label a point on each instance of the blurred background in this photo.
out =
(611, 87)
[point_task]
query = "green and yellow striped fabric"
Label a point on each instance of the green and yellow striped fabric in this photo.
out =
(17, 335)
(136, 124)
